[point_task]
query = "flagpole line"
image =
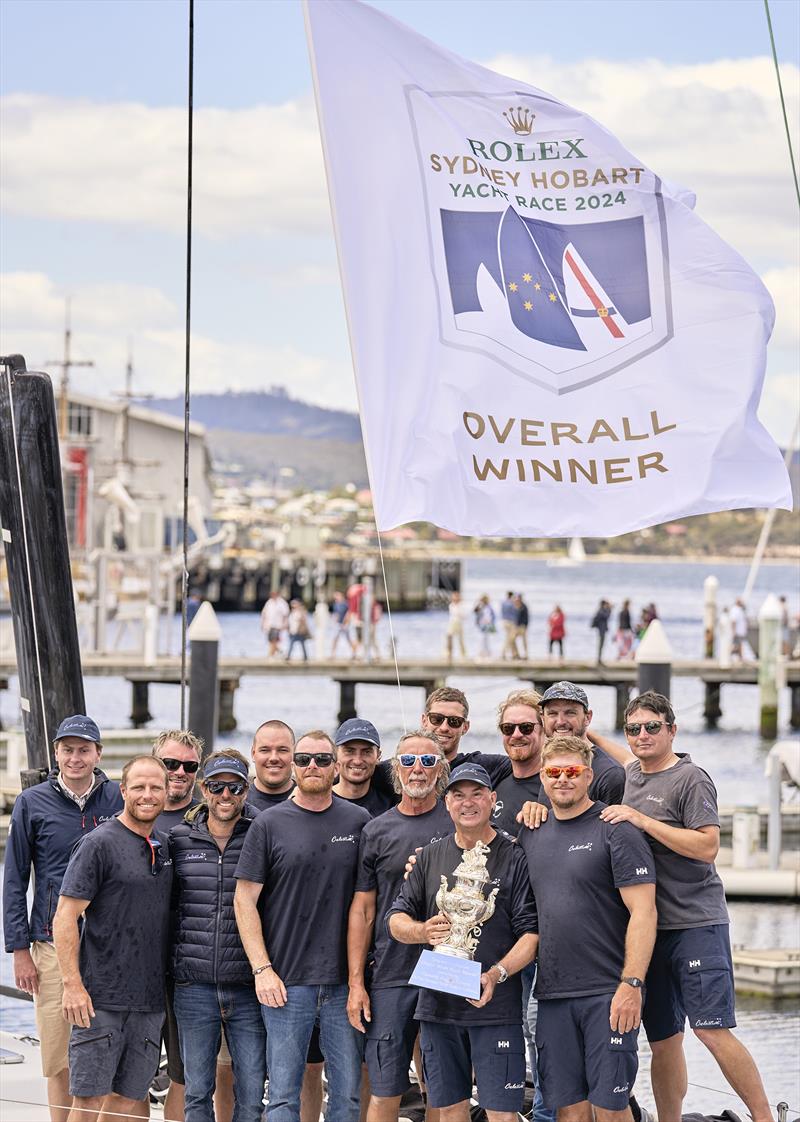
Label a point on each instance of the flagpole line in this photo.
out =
(337, 239)
(783, 102)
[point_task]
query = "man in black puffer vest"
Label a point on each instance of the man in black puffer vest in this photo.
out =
(214, 988)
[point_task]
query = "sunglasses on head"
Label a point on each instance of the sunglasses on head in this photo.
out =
(525, 727)
(427, 759)
(569, 771)
(321, 759)
(171, 764)
(652, 727)
(217, 786)
(437, 719)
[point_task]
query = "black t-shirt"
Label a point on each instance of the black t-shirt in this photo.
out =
(375, 802)
(514, 916)
(576, 867)
(169, 818)
(307, 862)
(124, 943)
(512, 793)
(498, 765)
(260, 800)
(386, 843)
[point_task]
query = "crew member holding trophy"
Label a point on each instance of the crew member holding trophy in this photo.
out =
(468, 897)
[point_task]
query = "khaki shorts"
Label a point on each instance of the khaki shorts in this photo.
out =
(53, 1028)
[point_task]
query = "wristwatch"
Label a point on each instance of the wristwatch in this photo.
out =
(501, 970)
(637, 983)
(261, 969)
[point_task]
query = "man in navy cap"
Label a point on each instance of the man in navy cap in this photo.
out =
(484, 1035)
(361, 778)
(46, 822)
(566, 712)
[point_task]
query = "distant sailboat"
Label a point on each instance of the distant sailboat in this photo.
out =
(576, 555)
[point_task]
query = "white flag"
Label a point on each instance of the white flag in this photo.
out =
(547, 340)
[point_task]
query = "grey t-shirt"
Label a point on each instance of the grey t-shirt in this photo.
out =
(124, 942)
(689, 893)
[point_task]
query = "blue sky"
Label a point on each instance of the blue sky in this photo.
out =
(92, 170)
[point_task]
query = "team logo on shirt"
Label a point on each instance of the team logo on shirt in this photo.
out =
(514, 1086)
(195, 857)
(622, 1090)
(498, 809)
(653, 799)
(575, 848)
(694, 963)
(641, 870)
(344, 838)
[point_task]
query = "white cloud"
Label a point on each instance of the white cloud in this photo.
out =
(31, 323)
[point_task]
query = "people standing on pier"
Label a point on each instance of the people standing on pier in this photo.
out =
(556, 631)
(624, 635)
(274, 621)
(382, 1006)
(521, 633)
(215, 997)
(485, 621)
(674, 803)
(296, 878)
(355, 600)
(649, 613)
(358, 750)
(509, 617)
(600, 625)
(181, 753)
(341, 618)
(456, 615)
(588, 875)
(482, 1036)
(299, 629)
(119, 883)
(46, 822)
(271, 752)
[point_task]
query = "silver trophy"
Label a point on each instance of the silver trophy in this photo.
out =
(467, 909)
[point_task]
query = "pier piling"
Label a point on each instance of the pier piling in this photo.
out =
(654, 660)
(347, 701)
(204, 635)
(769, 652)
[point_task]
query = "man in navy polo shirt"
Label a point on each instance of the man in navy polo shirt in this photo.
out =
(691, 975)
(295, 882)
(459, 1035)
(588, 876)
(119, 879)
(386, 1013)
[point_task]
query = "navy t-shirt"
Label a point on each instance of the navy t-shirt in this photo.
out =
(307, 862)
(124, 943)
(375, 802)
(512, 794)
(498, 765)
(576, 868)
(260, 800)
(514, 916)
(386, 843)
(169, 818)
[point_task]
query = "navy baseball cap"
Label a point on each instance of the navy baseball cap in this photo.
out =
(565, 691)
(469, 773)
(79, 725)
(357, 729)
(225, 765)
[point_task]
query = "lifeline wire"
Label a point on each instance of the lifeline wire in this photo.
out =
(187, 381)
(783, 103)
(391, 634)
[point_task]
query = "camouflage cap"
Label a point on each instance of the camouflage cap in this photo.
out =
(566, 691)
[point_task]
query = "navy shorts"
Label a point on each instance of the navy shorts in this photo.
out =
(119, 1052)
(496, 1053)
(580, 1058)
(690, 975)
(390, 1040)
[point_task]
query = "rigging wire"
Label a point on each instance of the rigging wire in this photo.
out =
(391, 633)
(187, 364)
(783, 102)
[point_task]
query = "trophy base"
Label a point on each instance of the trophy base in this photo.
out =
(448, 973)
(452, 951)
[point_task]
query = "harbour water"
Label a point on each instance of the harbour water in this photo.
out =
(734, 754)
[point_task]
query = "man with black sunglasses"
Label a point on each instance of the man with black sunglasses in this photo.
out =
(447, 716)
(181, 753)
(214, 989)
(691, 975)
(386, 1014)
(295, 882)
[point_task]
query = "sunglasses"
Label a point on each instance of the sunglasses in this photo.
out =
(217, 786)
(427, 759)
(321, 759)
(525, 727)
(651, 727)
(571, 771)
(189, 766)
(437, 719)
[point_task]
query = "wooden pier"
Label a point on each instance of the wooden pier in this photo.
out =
(421, 673)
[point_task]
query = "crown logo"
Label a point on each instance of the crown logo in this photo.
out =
(521, 120)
